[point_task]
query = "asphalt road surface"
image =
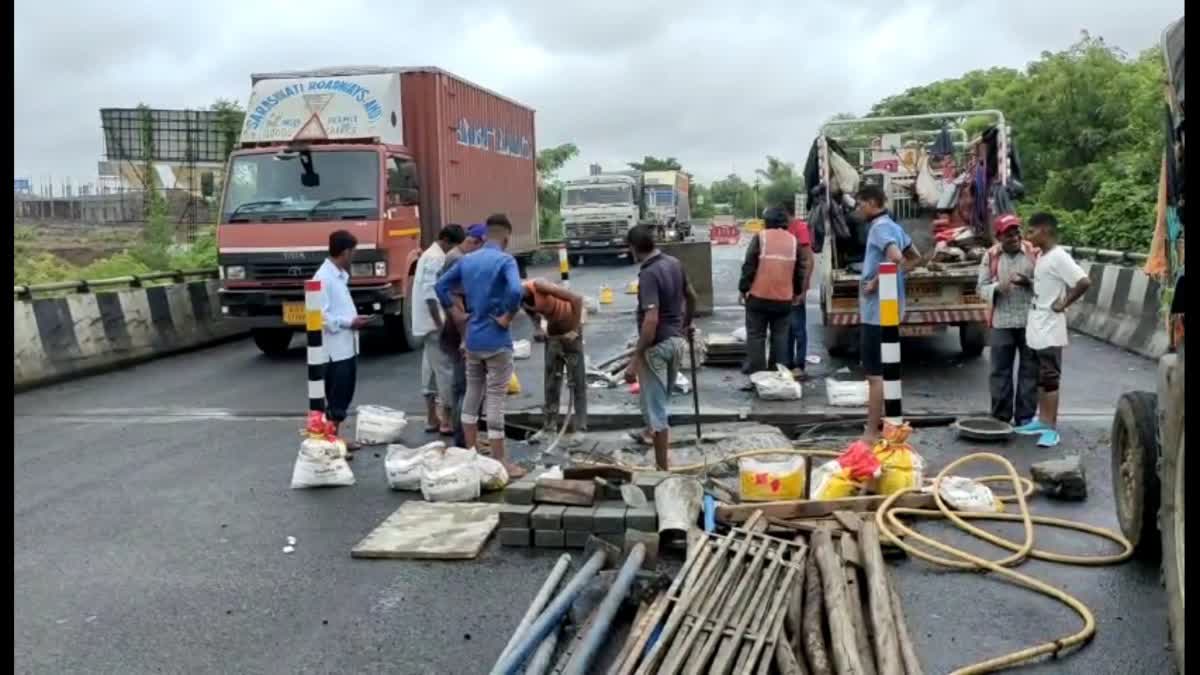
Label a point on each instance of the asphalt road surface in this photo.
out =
(151, 506)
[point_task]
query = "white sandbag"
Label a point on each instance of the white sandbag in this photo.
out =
(682, 384)
(929, 188)
(403, 464)
(845, 394)
(452, 477)
(376, 425)
(777, 385)
(843, 176)
(321, 463)
(522, 349)
(492, 474)
(739, 333)
(965, 494)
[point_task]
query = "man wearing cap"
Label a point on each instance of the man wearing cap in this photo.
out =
(1006, 283)
(563, 312)
(772, 283)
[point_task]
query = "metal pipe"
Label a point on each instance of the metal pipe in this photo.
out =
(549, 618)
(539, 601)
(602, 620)
(540, 661)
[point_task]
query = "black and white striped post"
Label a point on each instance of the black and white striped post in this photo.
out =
(316, 349)
(564, 266)
(889, 324)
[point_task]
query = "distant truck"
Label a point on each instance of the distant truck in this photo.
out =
(939, 296)
(599, 210)
(390, 154)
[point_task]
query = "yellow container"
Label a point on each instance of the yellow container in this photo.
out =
(632, 288)
(514, 385)
(606, 295)
(769, 480)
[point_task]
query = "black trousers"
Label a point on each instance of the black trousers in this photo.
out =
(340, 378)
(1008, 344)
(760, 321)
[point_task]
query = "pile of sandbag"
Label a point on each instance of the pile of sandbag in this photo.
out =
(887, 467)
(443, 474)
(776, 385)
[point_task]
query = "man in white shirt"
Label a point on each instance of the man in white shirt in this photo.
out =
(1058, 281)
(339, 323)
(437, 370)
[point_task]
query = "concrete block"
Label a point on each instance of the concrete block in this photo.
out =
(515, 515)
(1061, 478)
(548, 538)
(520, 492)
(578, 518)
(514, 536)
(575, 539)
(609, 518)
(547, 517)
(616, 539)
(649, 539)
(648, 480)
(644, 518)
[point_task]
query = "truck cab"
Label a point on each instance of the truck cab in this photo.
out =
(598, 211)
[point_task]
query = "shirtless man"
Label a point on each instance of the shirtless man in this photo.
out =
(563, 312)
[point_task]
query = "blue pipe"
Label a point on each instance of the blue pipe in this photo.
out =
(602, 619)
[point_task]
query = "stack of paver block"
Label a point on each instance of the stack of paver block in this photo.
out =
(526, 523)
(724, 350)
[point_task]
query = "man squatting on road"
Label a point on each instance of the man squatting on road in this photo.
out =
(492, 286)
(437, 368)
(886, 240)
(339, 325)
(563, 311)
(1058, 282)
(1006, 283)
(666, 304)
(772, 283)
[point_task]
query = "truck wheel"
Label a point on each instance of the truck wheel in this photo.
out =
(1134, 472)
(273, 342)
(973, 338)
(841, 341)
(1172, 525)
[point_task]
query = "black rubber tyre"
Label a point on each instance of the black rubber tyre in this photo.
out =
(397, 328)
(973, 338)
(273, 342)
(1134, 443)
(841, 341)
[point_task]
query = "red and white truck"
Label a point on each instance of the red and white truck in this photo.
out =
(389, 154)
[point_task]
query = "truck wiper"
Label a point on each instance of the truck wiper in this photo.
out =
(334, 200)
(265, 202)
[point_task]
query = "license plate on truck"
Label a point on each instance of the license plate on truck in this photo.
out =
(920, 330)
(293, 313)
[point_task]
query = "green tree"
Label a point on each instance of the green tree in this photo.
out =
(650, 163)
(549, 162)
(782, 183)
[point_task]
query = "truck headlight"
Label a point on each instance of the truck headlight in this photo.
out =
(381, 268)
(361, 269)
(235, 272)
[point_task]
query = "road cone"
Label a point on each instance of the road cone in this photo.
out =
(514, 385)
(606, 295)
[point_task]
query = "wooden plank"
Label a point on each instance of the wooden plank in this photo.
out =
(801, 509)
(569, 492)
(849, 550)
(848, 520)
(812, 624)
(431, 530)
(887, 645)
(908, 650)
(843, 645)
(858, 619)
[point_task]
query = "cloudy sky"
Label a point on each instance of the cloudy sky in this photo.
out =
(716, 86)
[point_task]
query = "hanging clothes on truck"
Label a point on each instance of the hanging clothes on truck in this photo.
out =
(943, 145)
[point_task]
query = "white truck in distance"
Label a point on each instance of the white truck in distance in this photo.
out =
(599, 210)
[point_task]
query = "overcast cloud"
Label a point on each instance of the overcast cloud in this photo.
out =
(717, 86)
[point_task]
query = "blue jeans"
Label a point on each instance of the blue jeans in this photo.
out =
(797, 337)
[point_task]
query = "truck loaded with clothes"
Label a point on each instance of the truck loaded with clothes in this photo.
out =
(1149, 483)
(945, 186)
(389, 154)
(599, 210)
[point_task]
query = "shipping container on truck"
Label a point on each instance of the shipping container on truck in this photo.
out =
(667, 203)
(389, 154)
(938, 297)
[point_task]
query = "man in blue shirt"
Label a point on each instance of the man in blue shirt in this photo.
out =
(886, 241)
(492, 285)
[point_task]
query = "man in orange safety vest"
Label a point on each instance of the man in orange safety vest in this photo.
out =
(772, 282)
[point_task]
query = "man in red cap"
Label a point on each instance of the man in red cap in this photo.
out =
(1006, 282)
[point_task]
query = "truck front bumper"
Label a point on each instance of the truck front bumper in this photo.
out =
(598, 246)
(263, 308)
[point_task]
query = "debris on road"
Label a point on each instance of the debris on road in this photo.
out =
(1061, 478)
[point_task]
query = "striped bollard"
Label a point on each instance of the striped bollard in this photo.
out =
(316, 350)
(889, 323)
(564, 267)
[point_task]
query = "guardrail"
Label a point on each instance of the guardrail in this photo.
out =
(132, 281)
(1105, 255)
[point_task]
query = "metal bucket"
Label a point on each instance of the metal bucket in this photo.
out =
(983, 429)
(678, 500)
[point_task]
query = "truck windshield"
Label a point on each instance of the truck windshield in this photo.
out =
(660, 197)
(598, 194)
(270, 187)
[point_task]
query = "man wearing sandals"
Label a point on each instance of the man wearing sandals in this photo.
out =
(437, 370)
(666, 303)
(1058, 282)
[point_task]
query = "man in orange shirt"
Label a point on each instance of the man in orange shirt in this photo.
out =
(563, 311)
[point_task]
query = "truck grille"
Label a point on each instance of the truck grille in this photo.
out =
(591, 230)
(288, 271)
